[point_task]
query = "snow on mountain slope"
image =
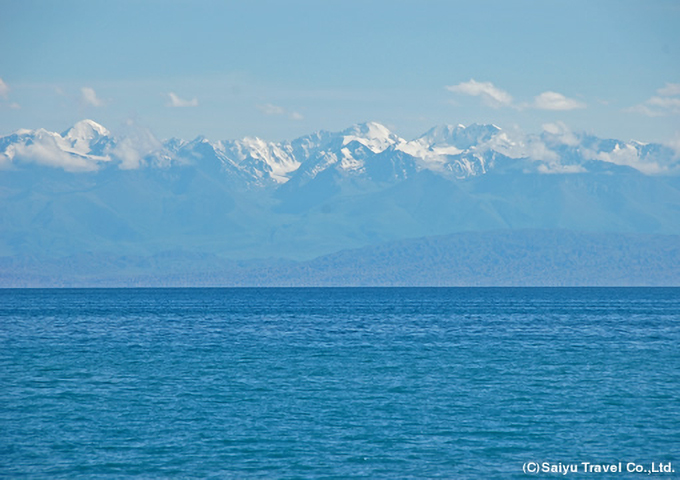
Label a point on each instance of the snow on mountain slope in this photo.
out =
(73, 154)
(345, 153)
(453, 151)
(374, 136)
(460, 136)
(457, 152)
(85, 135)
(262, 159)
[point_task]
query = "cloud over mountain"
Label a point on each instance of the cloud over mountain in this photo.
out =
(457, 151)
(487, 91)
(665, 102)
(270, 109)
(495, 97)
(176, 101)
(556, 101)
(89, 97)
(4, 89)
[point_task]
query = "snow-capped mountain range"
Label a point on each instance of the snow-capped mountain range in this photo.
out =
(368, 149)
(88, 190)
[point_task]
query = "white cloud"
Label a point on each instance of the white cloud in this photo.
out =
(133, 144)
(89, 96)
(128, 154)
(130, 151)
(657, 107)
(534, 149)
(556, 101)
(269, 109)
(490, 94)
(4, 89)
(674, 143)
(644, 110)
(666, 102)
(539, 151)
(670, 90)
(14, 106)
(46, 150)
(559, 132)
(176, 101)
(519, 145)
(626, 155)
(495, 97)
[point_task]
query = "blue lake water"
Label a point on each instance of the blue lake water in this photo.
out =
(336, 383)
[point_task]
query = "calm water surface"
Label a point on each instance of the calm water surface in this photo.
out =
(336, 383)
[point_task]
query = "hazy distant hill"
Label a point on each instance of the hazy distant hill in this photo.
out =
(503, 258)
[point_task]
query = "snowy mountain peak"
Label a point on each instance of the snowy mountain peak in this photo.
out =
(199, 140)
(460, 136)
(253, 142)
(86, 130)
(373, 135)
(454, 151)
(83, 136)
(369, 130)
(262, 159)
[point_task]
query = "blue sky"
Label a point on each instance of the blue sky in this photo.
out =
(278, 69)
